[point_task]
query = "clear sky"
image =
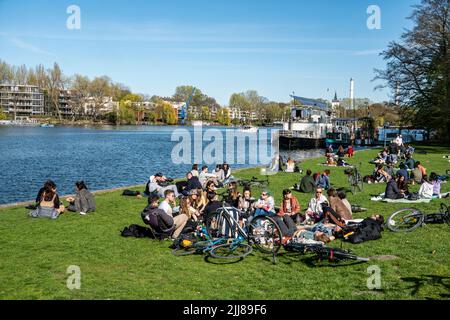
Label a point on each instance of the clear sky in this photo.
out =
(220, 46)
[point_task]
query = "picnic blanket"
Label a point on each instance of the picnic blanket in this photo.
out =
(382, 199)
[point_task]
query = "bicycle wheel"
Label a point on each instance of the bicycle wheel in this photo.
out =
(197, 247)
(231, 251)
(265, 234)
(445, 211)
(405, 220)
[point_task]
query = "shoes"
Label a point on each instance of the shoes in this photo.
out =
(285, 240)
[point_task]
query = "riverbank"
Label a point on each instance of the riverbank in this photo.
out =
(413, 265)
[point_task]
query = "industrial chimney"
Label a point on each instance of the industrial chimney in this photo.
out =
(352, 92)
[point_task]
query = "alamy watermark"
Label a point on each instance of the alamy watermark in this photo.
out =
(258, 147)
(73, 21)
(74, 279)
(374, 19)
(374, 280)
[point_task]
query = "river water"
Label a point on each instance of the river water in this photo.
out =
(104, 157)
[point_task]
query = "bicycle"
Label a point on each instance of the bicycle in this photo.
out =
(323, 252)
(225, 236)
(409, 219)
(255, 182)
(355, 180)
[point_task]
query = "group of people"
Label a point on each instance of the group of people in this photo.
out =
(337, 159)
(310, 181)
(49, 205)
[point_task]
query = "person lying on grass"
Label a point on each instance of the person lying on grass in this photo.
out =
(323, 232)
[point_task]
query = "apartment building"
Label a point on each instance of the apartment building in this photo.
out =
(21, 100)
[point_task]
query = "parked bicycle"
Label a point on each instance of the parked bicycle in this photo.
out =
(355, 179)
(323, 252)
(254, 182)
(408, 219)
(226, 236)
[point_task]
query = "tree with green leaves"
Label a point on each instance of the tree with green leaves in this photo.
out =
(418, 68)
(223, 117)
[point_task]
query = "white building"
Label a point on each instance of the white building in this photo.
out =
(21, 100)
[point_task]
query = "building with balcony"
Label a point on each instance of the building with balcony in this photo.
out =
(21, 100)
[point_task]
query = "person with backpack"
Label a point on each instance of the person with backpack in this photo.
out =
(157, 218)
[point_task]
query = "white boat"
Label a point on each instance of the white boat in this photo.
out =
(197, 123)
(47, 125)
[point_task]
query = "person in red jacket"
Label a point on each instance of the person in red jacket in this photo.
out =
(289, 210)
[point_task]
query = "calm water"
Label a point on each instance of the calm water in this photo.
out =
(105, 157)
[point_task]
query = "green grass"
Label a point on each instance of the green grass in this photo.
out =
(35, 254)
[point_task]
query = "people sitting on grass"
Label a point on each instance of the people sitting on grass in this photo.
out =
(307, 183)
(350, 151)
(233, 195)
(48, 204)
(426, 189)
(265, 206)
(341, 152)
(290, 165)
(331, 161)
(191, 183)
(314, 212)
(154, 186)
(189, 210)
(409, 162)
(227, 173)
(392, 189)
(338, 205)
(403, 171)
(197, 199)
(204, 177)
(421, 167)
(402, 184)
(323, 180)
(156, 218)
(194, 170)
(168, 205)
(246, 203)
(436, 182)
(211, 207)
(83, 202)
(343, 196)
(290, 207)
(380, 176)
(416, 174)
(219, 173)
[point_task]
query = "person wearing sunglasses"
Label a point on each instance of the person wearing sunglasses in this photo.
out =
(265, 206)
(314, 212)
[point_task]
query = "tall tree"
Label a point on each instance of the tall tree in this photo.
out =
(99, 92)
(418, 68)
(55, 81)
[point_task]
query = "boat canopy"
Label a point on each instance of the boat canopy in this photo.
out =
(314, 104)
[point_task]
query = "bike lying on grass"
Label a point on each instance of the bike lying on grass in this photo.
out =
(323, 252)
(225, 237)
(254, 182)
(408, 219)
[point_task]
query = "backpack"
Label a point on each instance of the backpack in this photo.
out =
(136, 231)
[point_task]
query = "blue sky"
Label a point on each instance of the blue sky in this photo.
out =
(274, 47)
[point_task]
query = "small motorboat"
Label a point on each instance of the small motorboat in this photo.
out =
(47, 125)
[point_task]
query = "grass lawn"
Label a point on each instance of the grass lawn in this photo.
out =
(35, 254)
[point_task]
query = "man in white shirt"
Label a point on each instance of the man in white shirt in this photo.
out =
(179, 220)
(154, 186)
(204, 176)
